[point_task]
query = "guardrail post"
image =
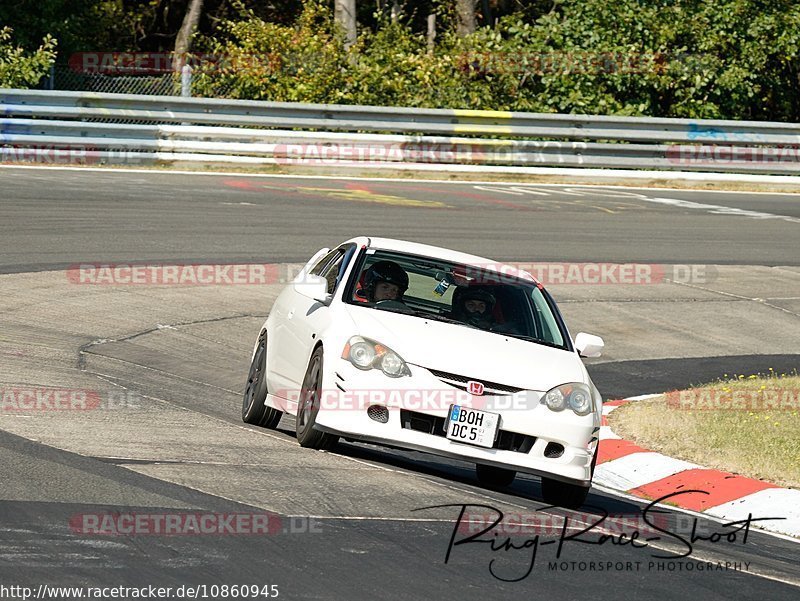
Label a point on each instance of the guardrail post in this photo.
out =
(186, 81)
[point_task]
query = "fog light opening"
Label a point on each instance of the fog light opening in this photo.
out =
(553, 450)
(378, 413)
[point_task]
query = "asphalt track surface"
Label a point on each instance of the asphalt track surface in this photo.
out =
(164, 217)
(184, 353)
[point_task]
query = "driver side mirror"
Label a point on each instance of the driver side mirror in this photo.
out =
(589, 345)
(314, 287)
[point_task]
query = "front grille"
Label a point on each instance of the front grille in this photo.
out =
(422, 422)
(492, 388)
(434, 425)
(514, 441)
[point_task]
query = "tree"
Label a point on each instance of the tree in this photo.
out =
(345, 15)
(19, 69)
(183, 40)
(465, 13)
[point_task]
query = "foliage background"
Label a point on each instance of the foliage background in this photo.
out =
(22, 69)
(735, 59)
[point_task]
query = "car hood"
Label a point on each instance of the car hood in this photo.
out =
(468, 351)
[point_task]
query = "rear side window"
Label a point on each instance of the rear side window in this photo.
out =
(331, 272)
(333, 266)
(324, 261)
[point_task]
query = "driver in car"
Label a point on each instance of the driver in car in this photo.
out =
(385, 280)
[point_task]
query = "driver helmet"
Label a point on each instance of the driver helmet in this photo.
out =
(385, 271)
(478, 294)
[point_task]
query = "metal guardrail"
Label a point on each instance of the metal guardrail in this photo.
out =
(132, 129)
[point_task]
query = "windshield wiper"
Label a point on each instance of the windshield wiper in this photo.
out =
(392, 310)
(438, 317)
(531, 339)
(442, 318)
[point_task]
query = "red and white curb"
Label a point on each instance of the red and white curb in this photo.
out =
(624, 466)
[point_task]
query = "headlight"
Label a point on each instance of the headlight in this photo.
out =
(555, 400)
(367, 354)
(362, 355)
(576, 396)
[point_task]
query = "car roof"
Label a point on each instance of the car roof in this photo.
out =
(442, 253)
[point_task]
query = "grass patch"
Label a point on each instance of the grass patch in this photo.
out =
(748, 425)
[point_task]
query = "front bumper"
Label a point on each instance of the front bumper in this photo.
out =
(535, 429)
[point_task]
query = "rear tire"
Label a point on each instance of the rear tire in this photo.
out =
(569, 496)
(495, 477)
(309, 405)
(254, 411)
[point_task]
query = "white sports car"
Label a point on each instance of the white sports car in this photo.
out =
(424, 348)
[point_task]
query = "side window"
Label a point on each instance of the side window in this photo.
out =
(323, 262)
(334, 270)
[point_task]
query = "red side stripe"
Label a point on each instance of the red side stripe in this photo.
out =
(721, 487)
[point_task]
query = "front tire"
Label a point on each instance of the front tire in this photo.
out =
(494, 477)
(254, 411)
(307, 410)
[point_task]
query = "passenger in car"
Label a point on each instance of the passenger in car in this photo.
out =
(474, 306)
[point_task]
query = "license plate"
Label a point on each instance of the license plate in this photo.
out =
(472, 426)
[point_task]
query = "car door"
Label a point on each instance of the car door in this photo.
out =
(280, 363)
(309, 317)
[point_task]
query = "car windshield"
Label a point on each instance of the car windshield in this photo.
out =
(467, 295)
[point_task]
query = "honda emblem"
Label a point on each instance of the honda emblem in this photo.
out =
(475, 388)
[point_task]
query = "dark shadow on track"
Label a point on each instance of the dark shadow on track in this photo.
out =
(622, 379)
